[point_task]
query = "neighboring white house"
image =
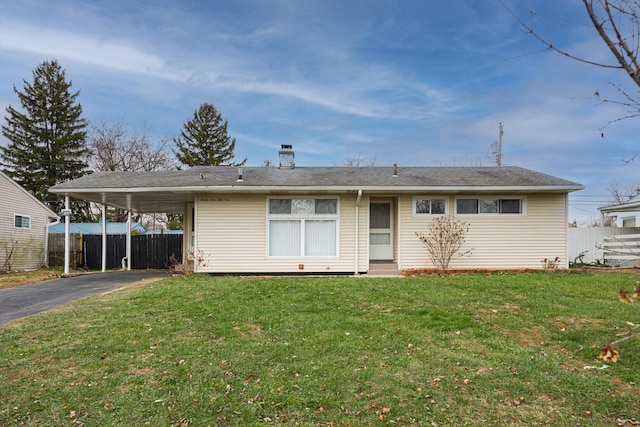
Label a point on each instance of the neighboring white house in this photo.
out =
(620, 247)
(626, 214)
(23, 227)
(343, 220)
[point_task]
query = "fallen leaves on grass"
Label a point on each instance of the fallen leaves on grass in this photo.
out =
(623, 296)
(350, 412)
(609, 354)
(621, 422)
(380, 410)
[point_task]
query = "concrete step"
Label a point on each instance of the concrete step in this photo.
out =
(383, 268)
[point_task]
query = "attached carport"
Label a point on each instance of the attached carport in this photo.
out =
(134, 192)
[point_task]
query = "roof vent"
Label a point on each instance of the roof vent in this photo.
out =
(395, 170)
(239, 175)
(287, 156)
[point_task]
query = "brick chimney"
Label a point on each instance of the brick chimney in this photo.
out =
(287, 157)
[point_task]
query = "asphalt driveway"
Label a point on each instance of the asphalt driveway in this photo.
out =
(23, 301)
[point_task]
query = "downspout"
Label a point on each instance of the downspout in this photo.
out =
(357, 257)
(125, 258)
(128, 244)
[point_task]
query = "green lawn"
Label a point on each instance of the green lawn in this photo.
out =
(501, 349)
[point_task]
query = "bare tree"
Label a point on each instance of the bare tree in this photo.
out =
(617, 22)
(117, 147)
(594, 222)
(622, 193)
(358, 161)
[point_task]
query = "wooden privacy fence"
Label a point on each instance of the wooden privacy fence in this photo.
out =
(56, 250)
(148, 251)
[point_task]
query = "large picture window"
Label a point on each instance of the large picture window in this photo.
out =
(487, 206)
(303, 227)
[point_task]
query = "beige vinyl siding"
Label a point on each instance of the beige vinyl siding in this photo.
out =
(231, 236)
(29, 250)
(498, 241)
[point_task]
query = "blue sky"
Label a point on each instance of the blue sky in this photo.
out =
(412, 82)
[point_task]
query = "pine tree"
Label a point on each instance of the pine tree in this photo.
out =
(48, 140)
(204, 141)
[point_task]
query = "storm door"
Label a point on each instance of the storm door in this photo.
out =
(380, 231)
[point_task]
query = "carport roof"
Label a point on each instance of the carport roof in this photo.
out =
(167, 191)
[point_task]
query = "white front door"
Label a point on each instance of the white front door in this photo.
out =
(380, 231)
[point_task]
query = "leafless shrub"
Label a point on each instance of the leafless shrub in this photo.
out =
(550, 264)
(444, 239)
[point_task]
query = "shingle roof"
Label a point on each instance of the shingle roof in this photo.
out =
(356, 177)
(175, 187)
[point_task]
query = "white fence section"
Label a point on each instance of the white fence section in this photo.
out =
(589, 242)
(622, 250)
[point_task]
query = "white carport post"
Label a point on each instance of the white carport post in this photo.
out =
(129, 240)
(104, 238)
(67, 237)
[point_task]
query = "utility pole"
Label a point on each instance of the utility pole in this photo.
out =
(499, 157)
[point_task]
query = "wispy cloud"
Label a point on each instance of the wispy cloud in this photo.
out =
(348, 99)
(126, 57)
(84, 48)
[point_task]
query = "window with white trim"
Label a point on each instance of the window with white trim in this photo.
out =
(429, 206)
(303, 227)
(488, 206)
(22, 221)
(629, 221)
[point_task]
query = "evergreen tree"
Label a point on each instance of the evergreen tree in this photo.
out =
(48, 140)
(204, 141)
